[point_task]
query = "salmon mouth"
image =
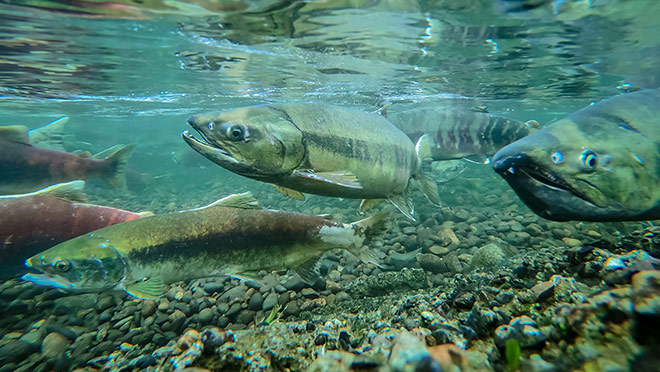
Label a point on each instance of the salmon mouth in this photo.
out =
(514, 168)
(208, 148)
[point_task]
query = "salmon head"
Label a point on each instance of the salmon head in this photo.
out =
(84, 264)
(259, 142)
(601, 163)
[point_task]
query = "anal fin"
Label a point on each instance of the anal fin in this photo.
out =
(309, 270)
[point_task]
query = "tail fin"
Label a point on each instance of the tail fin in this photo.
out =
(372, 226)
(425, 182)
(115, 175)
(71, 191)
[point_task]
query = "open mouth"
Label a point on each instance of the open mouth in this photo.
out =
(522, 166)
(206, 147)
(54, 281)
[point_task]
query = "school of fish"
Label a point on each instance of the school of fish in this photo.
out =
(601, 163)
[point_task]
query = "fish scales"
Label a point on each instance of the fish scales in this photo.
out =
(459, 133)
(34, 222)
(600, 163)
(228, 237)
(337, 144)
(25, 168)
(318, 149)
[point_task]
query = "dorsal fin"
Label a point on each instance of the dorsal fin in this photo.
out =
(15, 133)
(71, 191)
(244, 200)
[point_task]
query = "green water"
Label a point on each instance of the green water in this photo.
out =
(132, 72)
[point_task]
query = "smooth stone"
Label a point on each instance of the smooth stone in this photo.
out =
(213, 287)
(269, 302)
(205, 315)
(234, 293)
(183, 307)
(571, 242)
(14, 351)
(292, 309)
(148, 308)
(105, 303)
(245, 317)
(343, 296)
(309, 293)
(34, 337)
(401, 260)
(431, 262)
(256, 301)
(295, 284)
(53, 345)
(233, 310)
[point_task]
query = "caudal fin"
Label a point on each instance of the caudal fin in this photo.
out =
(115, 174)
(71, 191)
(372, 226)
(424, 180)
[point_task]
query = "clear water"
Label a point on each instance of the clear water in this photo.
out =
(132, 72)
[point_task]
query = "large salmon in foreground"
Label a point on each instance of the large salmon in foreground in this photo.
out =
(601, 163)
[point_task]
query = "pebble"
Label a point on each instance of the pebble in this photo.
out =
(256, 301)
(53, 345)
(148, 308)
(14, 351)
(213, 287)
(432, 263)
(269, 302)
(205, 315)
(309, 293)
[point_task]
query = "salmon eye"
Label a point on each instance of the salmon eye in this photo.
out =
(210, 125)
(589, 159)
(236, 132)
(557, 157)
(62, 265)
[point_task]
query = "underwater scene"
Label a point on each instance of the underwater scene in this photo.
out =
(331, 185)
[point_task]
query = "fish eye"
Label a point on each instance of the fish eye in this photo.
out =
(557, 157)
(62, 265)
(236, 133)
(210, 125)
(589, 158)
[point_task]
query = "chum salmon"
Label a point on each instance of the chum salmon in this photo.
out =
(232, 236)
(318, 149)
(601, 163)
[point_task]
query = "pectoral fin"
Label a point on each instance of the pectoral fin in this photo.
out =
(339, 178)
(15, 133)
(404, 204)
(290, 193)
(146, 289)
